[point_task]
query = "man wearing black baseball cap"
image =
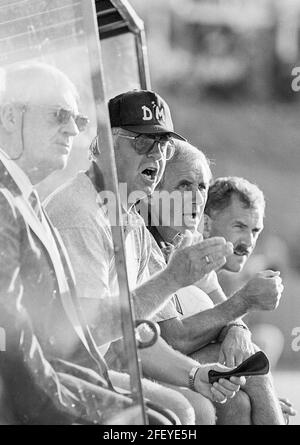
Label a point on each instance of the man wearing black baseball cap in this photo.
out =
(142, 131)
(142, 111)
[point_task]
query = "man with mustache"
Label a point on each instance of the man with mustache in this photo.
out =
(143, 136)
(217, 333)
(233, 207)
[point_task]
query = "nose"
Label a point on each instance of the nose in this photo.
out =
(248, 238)
(198, 197)
(70, 128)
(156, 152)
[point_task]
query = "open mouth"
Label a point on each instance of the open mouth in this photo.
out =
(193, 214)
(190, 215)
(149, 173)
(241, 252)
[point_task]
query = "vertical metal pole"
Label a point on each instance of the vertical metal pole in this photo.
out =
(108, 169)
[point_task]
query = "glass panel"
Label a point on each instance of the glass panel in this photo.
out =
(56, 32)
(120, 64)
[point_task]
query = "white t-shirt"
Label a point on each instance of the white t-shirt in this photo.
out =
(193, 299)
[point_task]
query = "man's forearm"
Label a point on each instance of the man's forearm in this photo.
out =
(166, 365)
(194, 332)
(149, 298)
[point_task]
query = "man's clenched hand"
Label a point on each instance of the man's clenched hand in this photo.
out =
(263, 291)
(220, 391)
(236, 347)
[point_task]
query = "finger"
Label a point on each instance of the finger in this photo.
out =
(214, 241)
(240, 381)
(228, 385)
(270, 273)
(228, 393)
(197, 237)
(221, 357)
(218, 396)
(288, 410)
(215, 265)
(230, 359)
(285, 401)
(240, 357)
(219, 249)
(186, 240)
(278, 281)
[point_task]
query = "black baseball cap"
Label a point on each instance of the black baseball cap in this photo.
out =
(142, 111)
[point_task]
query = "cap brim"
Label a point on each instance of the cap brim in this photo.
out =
(152, 129)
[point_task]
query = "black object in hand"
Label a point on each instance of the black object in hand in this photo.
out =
(256, 364)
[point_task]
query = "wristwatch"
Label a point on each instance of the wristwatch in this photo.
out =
(192, 375)
(226, 328)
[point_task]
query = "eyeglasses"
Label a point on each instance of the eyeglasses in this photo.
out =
(62, 115)
(144, 144)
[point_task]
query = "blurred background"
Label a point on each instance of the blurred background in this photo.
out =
(225, 68)
(228, 69)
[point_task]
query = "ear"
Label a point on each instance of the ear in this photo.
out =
(207, 226)
(8, 117)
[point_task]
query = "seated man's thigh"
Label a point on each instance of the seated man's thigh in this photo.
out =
(164, 396)
(205, 412)
(237, 410)
(207, 354)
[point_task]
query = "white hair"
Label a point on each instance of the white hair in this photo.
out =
(32, 82)
(186, 153)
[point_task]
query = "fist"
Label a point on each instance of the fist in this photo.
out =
(263, 291)
(189, 264)
(220, 391)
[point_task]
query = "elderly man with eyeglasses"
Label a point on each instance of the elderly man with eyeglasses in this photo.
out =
(41, 321)
(39, 310)
(142, 135)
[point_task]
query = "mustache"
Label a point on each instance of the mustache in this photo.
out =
(240, 249)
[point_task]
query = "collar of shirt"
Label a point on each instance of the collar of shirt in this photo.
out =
(20, 178)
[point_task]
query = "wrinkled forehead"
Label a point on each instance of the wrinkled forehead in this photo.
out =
(60, 97)
(194, 167)
(43, 89)
(239, 210)
(64, 99)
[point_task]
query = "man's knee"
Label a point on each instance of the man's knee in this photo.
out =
(242, 403)
(164, 396)
(180, 405)
(236, 411)
(259, 383)
(205, 412)
(208, 354)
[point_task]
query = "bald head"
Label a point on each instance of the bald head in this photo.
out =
(38, 118)
(188, 157)
(182, 190)
(33, 82)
